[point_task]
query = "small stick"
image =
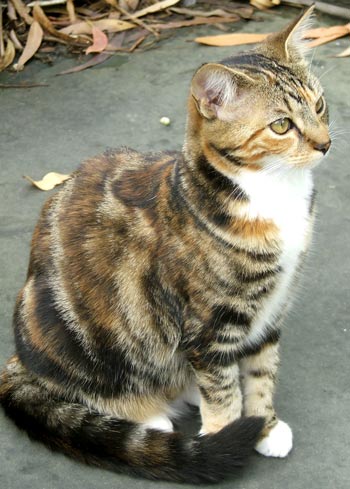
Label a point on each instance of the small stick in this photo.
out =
(46, 3)
(135, 19)
(324, 7)
(126, 50)
(11, 12)
(15, 40)
(2, 46)
(23, 85)
(22, 11)
(71, 11)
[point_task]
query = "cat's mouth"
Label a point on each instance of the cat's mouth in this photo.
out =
(313, 160)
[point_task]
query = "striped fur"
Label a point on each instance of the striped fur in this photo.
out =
(151, 273)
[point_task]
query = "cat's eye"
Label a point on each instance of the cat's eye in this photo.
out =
(319, 105)
(281, 126)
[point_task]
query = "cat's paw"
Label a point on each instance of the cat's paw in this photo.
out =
(161, 423)
(278, 443)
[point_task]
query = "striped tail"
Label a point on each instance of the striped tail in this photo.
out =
(119, 445)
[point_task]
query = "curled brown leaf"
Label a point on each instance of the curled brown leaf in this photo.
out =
(100, 41)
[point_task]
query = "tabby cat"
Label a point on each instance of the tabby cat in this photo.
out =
(159, 277)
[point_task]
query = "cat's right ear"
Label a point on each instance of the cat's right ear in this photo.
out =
(216, 89)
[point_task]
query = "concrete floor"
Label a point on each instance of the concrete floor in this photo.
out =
(120, 103)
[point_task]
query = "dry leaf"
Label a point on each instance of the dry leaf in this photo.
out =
(96, 60)
(100, 41)
(323, 35)
(129, 5)
(40, 16)
(231, 39)
(71, 11)
(201, 13)
(11, 11)
(109, 25)
(9, 55)
(49, 181)
(34, 39)
(195, 21)
(116, 42)
(15, 40)
(344, 53)
(340, 30)
(22, 10)
(156, 7)
(262, 4)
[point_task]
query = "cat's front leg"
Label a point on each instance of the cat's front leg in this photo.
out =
(258, 375)
(221, 397)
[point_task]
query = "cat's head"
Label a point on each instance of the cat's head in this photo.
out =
(262, 108)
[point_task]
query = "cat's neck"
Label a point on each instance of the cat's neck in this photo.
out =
(271, 193)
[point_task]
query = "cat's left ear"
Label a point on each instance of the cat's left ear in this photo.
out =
(217, 90)
(289, 44)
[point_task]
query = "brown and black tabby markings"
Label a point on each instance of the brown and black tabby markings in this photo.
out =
(145, 279)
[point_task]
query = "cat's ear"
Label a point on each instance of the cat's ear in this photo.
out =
(216, 88)
(289, 44)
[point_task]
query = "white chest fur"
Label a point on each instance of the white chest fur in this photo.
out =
(283, 198)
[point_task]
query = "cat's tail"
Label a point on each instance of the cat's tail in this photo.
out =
(120, 445)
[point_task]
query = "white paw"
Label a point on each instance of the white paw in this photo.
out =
(278, 443)
(161, 423)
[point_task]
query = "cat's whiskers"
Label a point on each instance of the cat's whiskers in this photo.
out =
(325, 72)
(310, 64)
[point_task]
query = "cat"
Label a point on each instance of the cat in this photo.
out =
(159, 277)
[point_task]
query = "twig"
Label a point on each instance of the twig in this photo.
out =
(324, 7)
(22, 11)
(196, 21)
(46, 3)
(11, 12)
(2, 46)
(126, 50)
(135, 19)
(23, 85)
(15, 40)
(71, 11)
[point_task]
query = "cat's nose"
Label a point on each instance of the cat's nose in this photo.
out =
(323, 147)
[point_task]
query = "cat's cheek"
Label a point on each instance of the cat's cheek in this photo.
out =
(278, 443)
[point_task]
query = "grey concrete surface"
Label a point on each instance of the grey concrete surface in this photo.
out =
(120, 103)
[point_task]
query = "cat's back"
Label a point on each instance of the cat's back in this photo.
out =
(99, 228)
(110, 199)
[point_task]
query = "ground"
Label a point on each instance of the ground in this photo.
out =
(120, 103)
